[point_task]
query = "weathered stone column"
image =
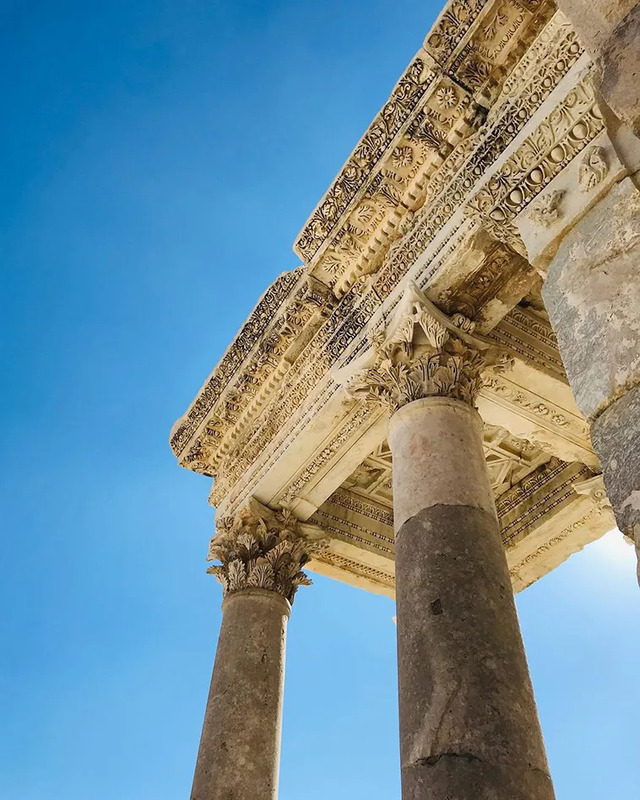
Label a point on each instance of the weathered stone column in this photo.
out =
(469, 728)
(592, 294)
(261, 554)
(468, 721)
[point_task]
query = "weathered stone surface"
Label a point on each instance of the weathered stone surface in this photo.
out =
(592, 294)
(596, 20)
(468, 720)
(239, 752)
(463, 776)
(616, 437)
(610, 29)
(451, 433)
(469, 727)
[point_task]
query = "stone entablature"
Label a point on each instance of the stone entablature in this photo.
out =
(441, 99)
(493, 142)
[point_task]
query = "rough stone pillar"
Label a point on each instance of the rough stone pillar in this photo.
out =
(469, 728)
(610, 30)
(592, 294)
(262, 554)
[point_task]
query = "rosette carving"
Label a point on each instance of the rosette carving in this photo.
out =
(261, 549)
(423, 353)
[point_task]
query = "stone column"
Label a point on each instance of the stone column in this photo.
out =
(592, 294)
(469, 728)
(261, 554)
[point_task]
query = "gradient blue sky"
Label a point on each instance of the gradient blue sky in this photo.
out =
(158, 159)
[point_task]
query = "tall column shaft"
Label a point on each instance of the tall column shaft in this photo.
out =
(261, 553)
(239, 749)
(469, 728)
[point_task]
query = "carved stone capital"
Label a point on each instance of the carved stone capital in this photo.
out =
(261, 549)
(422, 353)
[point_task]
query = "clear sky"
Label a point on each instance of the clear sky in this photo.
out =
(158, 158)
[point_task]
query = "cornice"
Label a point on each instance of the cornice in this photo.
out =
(441, 99)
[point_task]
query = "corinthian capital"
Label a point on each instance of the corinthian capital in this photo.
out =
(422, 353)
(261, 549)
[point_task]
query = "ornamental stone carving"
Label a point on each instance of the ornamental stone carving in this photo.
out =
(261, 549)
(593, 168)
(423, 353)
(547, 209)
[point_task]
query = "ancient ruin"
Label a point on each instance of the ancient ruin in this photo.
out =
(442, 403)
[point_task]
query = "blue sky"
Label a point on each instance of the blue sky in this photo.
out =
(158, 159)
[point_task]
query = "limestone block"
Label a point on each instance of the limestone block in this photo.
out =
(592, 294)
(610, 30)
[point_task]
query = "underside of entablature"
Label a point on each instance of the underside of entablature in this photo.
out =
(548, 509)
(299, 458)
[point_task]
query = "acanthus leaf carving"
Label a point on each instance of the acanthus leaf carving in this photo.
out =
(262, 549)
(445, 359)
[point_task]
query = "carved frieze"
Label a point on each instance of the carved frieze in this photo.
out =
(451, 185)
(471, 47)
(252, 370)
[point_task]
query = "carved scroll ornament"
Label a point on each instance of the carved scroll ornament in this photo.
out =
(261, 549)
(423, 353)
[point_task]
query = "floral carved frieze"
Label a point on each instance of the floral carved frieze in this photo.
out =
(242, 345)
(423, 353)
(261, 549)
(560, 137)
(471, 48)
(453, 184)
